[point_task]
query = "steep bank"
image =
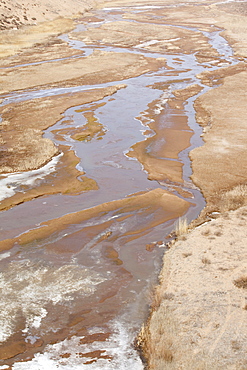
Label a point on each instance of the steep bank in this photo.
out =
(198, 318)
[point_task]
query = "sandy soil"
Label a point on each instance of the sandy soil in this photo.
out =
(198, 318)
(164, 205)
(210, 15)
(201, 319)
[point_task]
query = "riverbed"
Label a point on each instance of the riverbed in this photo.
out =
(79, 260)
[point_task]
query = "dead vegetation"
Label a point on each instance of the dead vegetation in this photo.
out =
(234, 198)
(219, 204)
(206, 261)
(181, 227)
(157, 344)
(241, 282)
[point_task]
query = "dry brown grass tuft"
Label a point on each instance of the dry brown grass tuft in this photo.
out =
(218, 233)
(157, 298)
(181, 227)
(205, 232)
(164, 354)
(241, 282)
(206, 261)
(187, 254)
(234, 198)
(155, 341)
(142, 341)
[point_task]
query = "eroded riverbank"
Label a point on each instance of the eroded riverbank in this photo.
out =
(122, 108)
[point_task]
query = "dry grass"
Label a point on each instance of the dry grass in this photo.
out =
(218, 233)
(205, 232)
(181, 227)
(159, 343)
(187, 254)
(206, 261)
(156, 298)
(156, 339)
(241, 282)
(234, 198)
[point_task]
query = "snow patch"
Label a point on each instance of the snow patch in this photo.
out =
(11, 183)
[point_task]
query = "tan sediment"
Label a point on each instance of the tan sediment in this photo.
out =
(42, 50)
(159, 157)
(230, 17)
(182, 340)
(99, 67)
(23, 123)
(65, 180)
(220, 164)
(93, 128)
(169, 206)
(13, 41)
(187, 92)
(162, 38)
(213, 78)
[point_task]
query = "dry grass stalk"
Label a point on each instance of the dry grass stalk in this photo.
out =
(157, 297)
(143, 340)
(181, 227)
(206, 261)
(155, 341)
(234, 198)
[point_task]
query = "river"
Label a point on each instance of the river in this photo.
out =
(77, 298)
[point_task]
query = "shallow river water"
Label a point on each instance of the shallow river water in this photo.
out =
(79, 297)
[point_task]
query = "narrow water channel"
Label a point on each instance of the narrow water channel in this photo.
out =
(77, 298)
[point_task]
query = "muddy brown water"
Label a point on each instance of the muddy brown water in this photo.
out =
(76, 298)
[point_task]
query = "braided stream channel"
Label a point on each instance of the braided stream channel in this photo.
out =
(78, 266)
